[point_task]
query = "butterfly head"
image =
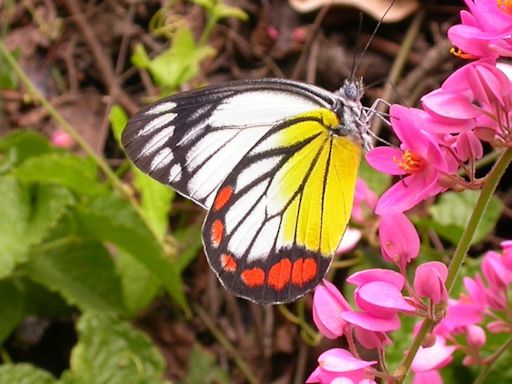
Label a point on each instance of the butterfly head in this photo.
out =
(354, 117)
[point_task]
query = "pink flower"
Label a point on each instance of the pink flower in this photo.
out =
(429, 281)
(378, 295)
(419, 159)
(399, 241)
(476, 98)
(364, 201)
(62, 139)
(328, 304)
(485, 29)
(496, 273)
(337, 364)
(459, 315)
(506, 246)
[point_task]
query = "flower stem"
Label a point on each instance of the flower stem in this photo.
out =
(459, 255)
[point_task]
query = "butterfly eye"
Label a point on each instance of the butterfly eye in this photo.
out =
(351, 92)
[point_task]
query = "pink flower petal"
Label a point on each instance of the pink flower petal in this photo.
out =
(385, 159)
(349, 241)
(381, 299)
(428, 377)
(406, 193)
(341, 360)
(434, 357)
(377, 274)
(372, 323)
(448, 106)
(371, 339)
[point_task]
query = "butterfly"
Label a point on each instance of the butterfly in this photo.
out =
(274, 162)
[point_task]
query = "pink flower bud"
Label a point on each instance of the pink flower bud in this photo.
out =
(507, 253)
(328, 304)
(475, 336)
(499, 326)
(429, 281)
(399, 241)
(468, 146)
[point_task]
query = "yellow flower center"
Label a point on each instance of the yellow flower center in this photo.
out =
(505, 6)
(410, 162)
(463, 55)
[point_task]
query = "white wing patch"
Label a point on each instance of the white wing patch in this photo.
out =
(157, 141)
(161, 159)
(275, 106)
(161, 108)
(157, 123)
(255, 170)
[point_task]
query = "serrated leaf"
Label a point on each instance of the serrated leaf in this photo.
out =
(11, 299)
(19, 145)
(24, 374)
(27, 217)
(139, 285)
(452, 211)
(110, 218)
(15, 213)
(76, 173)
(155, 201)
(110, 351)
(83, 273)
(203, 368)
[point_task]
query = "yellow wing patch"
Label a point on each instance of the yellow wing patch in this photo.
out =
(326, 170)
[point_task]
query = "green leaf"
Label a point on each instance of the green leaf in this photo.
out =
(118, 120)
(110, 218)
(82, 272)
(110, 351)
(203, 368)
(140, 286)
(24, 374)
(222, 11)
(156, 200)
(19, 145)
(76, 173)
(140, 58)
(11, 300)
(377, 181)
(27, 217)
(190, 243)
(41, 302)
(452, 211)
(180, 63)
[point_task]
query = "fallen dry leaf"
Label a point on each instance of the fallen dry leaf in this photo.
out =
(375, 8)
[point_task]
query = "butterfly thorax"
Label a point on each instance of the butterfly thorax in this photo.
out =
(353, 116)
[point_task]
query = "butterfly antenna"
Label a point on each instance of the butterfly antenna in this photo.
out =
(359, 29)
(372, 36)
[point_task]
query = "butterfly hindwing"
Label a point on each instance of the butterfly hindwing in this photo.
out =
(193, 140)
(279, 215)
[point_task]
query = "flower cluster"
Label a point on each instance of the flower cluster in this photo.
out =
(440, 144)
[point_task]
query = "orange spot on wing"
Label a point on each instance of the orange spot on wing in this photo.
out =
(279, 274)
(217, 232)
(253, 277)
(303, 271)
(228, 263)
(309, 270)
(222, 197)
